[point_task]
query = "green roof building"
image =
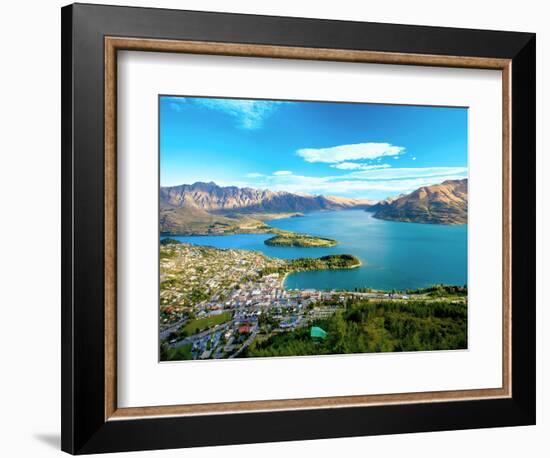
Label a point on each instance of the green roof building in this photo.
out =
(317, 332)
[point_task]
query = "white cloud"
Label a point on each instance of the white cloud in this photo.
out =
(249, 114)
(358, 166)
(175, 103)
(414, 158)
(372, 183)
(357, 151)
(254, 175)
(402, 173)
(350, 187)
(282, 172)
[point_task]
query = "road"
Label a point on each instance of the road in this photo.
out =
(246, 343)
(200, 335)
(173, 328)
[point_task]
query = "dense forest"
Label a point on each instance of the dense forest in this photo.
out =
(376, 326)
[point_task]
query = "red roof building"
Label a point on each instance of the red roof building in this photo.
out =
(244, 329)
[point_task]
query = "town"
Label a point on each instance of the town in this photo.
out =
(214, 303)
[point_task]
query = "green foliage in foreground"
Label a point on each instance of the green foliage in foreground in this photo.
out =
(370, 326)
(175, 354)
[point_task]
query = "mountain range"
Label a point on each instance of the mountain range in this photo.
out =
(445, 203)
(230, 199)
(206, 208)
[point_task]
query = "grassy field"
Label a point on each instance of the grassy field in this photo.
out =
(199, 324)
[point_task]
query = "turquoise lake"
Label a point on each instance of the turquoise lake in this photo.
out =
(395, 255)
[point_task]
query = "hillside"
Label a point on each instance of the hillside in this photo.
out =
(191, 220)
(445, 203)
(230, 199)
(206, 208)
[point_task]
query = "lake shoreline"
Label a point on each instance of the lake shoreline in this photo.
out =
(400, 256)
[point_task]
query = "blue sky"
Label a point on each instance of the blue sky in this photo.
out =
(353, 150)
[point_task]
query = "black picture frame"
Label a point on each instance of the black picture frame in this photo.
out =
(84, 428)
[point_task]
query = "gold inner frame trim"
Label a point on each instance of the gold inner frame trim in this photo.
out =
(114, 44)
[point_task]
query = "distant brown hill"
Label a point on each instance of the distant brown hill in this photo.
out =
(209, 208)
(445, 203)
(217, 199)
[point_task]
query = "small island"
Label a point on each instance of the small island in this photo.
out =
(292, 239)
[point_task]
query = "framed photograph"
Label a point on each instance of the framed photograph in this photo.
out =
(282, 228)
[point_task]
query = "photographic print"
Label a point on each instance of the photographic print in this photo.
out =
(261, 229)
(307, 228)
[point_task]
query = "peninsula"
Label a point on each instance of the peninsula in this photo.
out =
(292, 239)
